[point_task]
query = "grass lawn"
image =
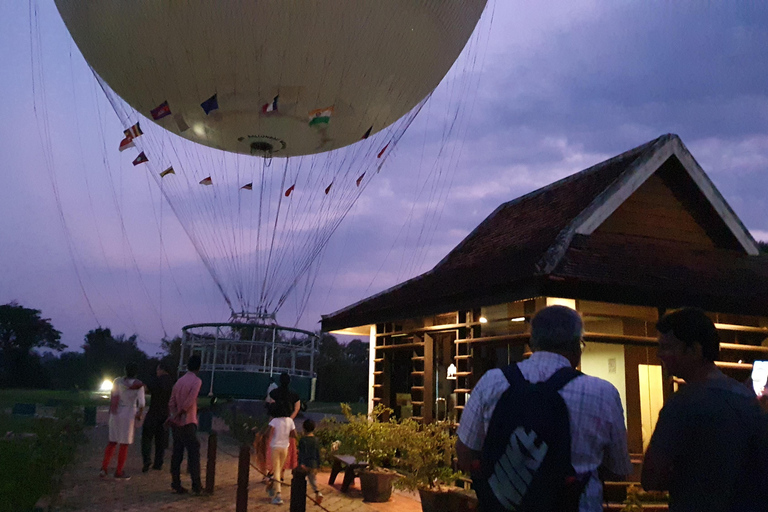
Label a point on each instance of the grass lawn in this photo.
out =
(335, 407)
(47, 397)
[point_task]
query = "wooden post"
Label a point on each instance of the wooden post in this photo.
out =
(243, 475)
(299, 491)
(210, 466)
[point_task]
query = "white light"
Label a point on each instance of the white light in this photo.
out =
(483, 320)
(106, 385)
(518, 319)
(199, 129)
(451, 372)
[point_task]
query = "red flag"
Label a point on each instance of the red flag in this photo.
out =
(328, 188)
(359, 179)
(290, 189)
(206, 181)
(160, 111)
(383, 150)
(140, 159)
(126, 143)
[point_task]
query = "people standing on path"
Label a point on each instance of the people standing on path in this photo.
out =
(125, 407)
(285, 402)
(309, 456)
(154, 428)
(594, 419)
(710, 445)
(280, 432)
(182, 418)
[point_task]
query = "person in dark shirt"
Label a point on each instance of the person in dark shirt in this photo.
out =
(154, 428)
(710, 445)
(286, 403)
(309, 456)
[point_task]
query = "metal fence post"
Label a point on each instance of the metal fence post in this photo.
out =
(210, 466)
(243, 475)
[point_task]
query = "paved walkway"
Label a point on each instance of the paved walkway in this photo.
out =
(83, 490)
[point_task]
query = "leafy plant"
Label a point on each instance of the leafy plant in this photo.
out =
(426, 455)
(241, 426)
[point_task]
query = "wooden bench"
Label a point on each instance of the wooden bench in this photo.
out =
(350, 465)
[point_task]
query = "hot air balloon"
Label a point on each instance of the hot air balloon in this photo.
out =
(262, 122)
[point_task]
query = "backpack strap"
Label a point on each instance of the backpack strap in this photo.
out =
(562, 377)
(555, 382)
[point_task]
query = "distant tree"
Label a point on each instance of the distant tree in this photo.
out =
(763, 247)
(106, 355)
(342, 370)
(22, 330)
(171, 352)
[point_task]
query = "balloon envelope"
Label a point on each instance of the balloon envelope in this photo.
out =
(272, 77)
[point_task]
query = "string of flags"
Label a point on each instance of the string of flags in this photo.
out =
(319, 117)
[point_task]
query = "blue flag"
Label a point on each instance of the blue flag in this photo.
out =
(210, 104)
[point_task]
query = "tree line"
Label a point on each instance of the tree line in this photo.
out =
(33, 356)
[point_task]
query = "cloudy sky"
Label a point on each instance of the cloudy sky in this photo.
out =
(549, 88)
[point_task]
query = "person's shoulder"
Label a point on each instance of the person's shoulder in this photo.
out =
(596, 386)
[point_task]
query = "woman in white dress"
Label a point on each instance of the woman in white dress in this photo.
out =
(126, 406)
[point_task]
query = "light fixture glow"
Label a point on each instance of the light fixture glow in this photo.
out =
(451, 372)
(518, 319)
(483, 320)
(106, 385)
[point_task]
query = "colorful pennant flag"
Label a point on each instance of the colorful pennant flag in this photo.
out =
(247, 186)
(320, 116)
(181, 124)
(126, 143)
(367, 133)
(383, 150)
(210, 104)
(358, 180)
(160, 111)
(290, 189)
(270, 107)
(328, 188)
(167, 172)
(134, 131)
(207, 181)
(140, 159)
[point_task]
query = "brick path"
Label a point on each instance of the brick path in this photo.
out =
(83, 490)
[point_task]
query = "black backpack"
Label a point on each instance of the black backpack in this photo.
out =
(526, 457)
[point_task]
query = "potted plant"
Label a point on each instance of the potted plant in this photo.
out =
(426, 462)
(372, 441)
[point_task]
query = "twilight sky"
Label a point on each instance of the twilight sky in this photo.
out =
(548, 90)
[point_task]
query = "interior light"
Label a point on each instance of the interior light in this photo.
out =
(451, 372)
(518, 319)
(199, 129)
(106, 385)
(483, 320)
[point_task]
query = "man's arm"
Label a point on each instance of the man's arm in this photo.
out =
(469, 459)
(658, 464)
(616, 465)
(657, 470)
(296, 409)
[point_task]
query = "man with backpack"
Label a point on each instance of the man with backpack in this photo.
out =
(540, 435)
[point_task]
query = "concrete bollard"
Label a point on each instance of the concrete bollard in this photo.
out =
(299, 491)
(210, 466)
(243, 475)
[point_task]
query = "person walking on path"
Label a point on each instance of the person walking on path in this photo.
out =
(182, 409)
(154, 428)
(598, 437)
(280, 432)
(710, 445)
(309, 456)
(125, 407)
(285, 402)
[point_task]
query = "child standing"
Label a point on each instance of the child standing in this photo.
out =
(281, 430)
(309, 456)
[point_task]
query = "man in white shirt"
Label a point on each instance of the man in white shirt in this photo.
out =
(598, 433)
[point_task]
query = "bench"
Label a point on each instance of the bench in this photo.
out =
(350, 465)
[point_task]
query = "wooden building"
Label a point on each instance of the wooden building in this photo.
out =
(621, 242)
